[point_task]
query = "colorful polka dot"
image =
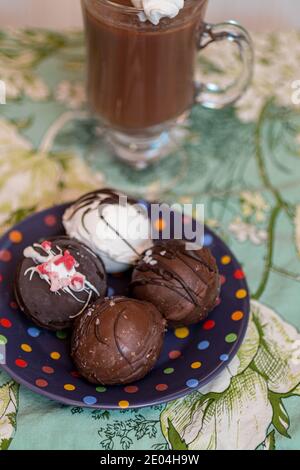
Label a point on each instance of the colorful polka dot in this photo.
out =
(5, 256)
(33, 332)
(226, 260)
(69, 387)
(123, 404)
(241, 294)
(239, 274)
(41, 383)
(231, 338)
(55, 356)
(131, 389)
(5, 323)
(174, 354)
(196, 365)
(237, 316)
(208, 240)
(13, 305)
(161, 387)
(50, 220)
(209, 325)
(182, 333)
(160, 225)
(192, 383)
(1, 278)
(26, 348)
(15, 236)
(169, 371)
(203, 345)
(3, 340)
(62, 334)
(21, 363)
(48, 370)
(224, 357)
(27, 345)
(89, 400)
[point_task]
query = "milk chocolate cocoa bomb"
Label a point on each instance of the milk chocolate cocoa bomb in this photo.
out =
(183, 285)
(117, 341)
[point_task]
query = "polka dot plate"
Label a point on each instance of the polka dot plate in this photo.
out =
(191, 357)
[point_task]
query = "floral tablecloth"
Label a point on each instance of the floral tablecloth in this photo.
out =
(243, 163)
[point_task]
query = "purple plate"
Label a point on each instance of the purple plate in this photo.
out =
(191, 357)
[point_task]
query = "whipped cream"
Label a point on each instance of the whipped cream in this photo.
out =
(117, 233)
(155, 10)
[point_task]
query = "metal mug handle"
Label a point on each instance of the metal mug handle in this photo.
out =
(211, 95)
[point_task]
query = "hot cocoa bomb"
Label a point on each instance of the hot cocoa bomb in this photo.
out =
(56, 280)
(117, 341)
(113, 225)
(183, 284)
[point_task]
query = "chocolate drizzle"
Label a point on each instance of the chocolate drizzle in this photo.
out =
(166, 275)
(57, 310)
(103, 198)
(191, 275)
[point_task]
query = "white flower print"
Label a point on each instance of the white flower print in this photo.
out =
(239, 407)
(37, 90)
(247, 232)
(253, 203)
(33, 178)
(71, 94)
(20, 78)
(8, 408)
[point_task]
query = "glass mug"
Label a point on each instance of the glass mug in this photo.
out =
(141, 77)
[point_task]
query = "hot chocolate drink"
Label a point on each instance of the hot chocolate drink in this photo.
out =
(140, 75)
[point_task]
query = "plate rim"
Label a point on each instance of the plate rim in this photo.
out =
(156, 401)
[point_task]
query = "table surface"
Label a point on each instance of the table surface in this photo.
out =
(243, 163)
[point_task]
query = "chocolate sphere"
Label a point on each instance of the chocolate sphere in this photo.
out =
(117, 341)
(184, 285)
(57, 280)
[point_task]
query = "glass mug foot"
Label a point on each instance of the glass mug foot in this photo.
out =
(142, 150)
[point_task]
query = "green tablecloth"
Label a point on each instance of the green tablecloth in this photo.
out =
(244, 164)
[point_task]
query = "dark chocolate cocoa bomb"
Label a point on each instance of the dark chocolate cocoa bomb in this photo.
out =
(184, 285)
(117, 341)
(56, 280)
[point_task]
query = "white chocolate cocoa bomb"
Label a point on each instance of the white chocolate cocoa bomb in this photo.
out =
(117, 233)
(155, 10)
